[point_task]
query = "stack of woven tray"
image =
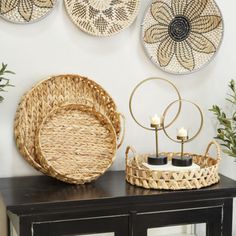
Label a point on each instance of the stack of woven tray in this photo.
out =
(68, 127)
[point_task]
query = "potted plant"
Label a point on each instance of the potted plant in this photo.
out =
(4, 82)
(226, 132)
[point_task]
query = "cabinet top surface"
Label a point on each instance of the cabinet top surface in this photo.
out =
(111, 187)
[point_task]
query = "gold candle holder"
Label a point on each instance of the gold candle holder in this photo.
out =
(183, 140)
(156, 127)
(183, 159)
(156, 159)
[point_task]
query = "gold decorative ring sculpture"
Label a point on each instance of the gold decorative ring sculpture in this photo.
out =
(166, 111)
(135, 89)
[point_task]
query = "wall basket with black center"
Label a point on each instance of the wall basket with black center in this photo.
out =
(182, 36)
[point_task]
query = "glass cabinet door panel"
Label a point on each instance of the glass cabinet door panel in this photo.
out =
(170, 231)
(181, 230)
(200, 229)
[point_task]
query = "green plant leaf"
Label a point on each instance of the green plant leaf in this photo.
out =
(4, 82)
(9, 72)
(226, 132)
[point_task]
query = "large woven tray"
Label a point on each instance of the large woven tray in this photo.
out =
(49, 94)
(139, 175)
(75, 143)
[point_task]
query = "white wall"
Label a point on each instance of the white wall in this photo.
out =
(54, 46)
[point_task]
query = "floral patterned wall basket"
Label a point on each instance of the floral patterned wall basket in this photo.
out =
(102, 18)
(25, 11)
(181, 36)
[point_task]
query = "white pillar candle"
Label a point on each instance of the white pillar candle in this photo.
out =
(156, 120)
(182, 132)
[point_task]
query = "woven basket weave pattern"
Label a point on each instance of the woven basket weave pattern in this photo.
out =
(102, 18)
(137, 174)
(26, 11)
(51, 93)
(182, 36)
(76, 144)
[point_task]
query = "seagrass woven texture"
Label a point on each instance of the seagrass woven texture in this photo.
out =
(25, 11)
(139, 175)
(182, 36)
(102, 18)
(49, 94)
(75, 143)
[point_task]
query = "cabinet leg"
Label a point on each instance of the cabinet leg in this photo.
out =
(8, 227)
(25, 227)
(132, 219)
(134, 229)
(214, 223)
(141, 232)
(213, 229)
(227, 217)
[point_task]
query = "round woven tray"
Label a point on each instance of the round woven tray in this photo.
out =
(51, 93)
(102, 18)
(75, 143)
(25, 11)
(137, 174)
(182, 36)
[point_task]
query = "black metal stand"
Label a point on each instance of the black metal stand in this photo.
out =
(160, 160)
(182, 161)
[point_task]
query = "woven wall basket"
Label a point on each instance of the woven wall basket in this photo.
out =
(25, 11)
(102, 18)
(51, 93)
(137, 174)
(75, 143)
(182, 36)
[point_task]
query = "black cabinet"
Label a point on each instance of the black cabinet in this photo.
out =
(42, 206)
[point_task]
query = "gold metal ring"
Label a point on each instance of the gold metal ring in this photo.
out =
(164, 116)
(135, 89)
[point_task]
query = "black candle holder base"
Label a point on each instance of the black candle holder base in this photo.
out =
(182, 161)
(160, 160)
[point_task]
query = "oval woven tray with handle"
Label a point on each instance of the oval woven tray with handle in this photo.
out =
(51, 93)
(75, 143)
(137, 174)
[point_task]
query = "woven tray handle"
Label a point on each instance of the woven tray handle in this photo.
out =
(121, 139)
(128, 149)
(213, 142)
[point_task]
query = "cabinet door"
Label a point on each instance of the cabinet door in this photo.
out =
(95, 226)
(151, 223)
